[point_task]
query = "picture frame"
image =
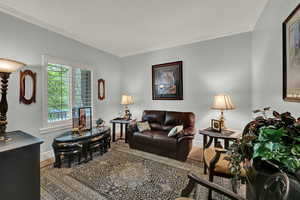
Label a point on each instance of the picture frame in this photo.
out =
(101, 89)
(167, 81)
(23, 76)
(291, 56)
(216, 125)
(82, 118)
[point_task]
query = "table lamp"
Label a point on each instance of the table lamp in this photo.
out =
(6, 67)
(222, 102)
(127, 100)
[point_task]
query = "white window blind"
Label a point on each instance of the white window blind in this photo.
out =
(82, 90)
(59, 108)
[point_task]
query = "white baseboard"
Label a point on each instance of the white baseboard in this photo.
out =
(46, 155)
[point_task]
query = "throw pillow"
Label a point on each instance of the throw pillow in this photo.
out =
(143, 126)
(174, 131)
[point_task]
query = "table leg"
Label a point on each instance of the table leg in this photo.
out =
(121, 126)
(113, 132)
(218, 144)
(215, 142)
(126, 129)
(204, 145)
(226, 143)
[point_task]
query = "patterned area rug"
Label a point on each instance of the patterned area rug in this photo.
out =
(121, 174)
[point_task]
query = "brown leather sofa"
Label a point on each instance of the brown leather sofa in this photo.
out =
(157, 141)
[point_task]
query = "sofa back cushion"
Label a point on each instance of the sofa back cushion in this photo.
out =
(155, 118)
(166, 120)
(187, 119)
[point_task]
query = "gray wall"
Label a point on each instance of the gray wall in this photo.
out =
(210, 67)
(27, 43)
(267, 57)
(247, 66)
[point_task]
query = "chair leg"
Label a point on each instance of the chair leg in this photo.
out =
(108, 142)
(70, 160)
(58, 161)
(101, 149)
(211, 179)
(234, 185)
(105, 148)
(79, 157)
(205, 169)
(91, 154)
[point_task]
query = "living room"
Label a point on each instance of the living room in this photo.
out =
(237, 52)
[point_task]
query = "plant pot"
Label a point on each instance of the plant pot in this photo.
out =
(267, 182)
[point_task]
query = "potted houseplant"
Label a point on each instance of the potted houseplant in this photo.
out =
(268, 146)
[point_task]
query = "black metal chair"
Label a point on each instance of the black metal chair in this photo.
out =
(68, 151)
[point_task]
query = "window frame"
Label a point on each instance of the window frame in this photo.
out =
(63, 124)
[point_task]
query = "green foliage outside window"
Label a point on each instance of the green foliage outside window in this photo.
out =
(58, 92)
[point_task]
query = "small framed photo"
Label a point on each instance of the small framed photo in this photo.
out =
(216, 125)
(82, 118)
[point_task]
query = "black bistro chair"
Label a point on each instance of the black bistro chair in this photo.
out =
(96, 144)
(68, 151)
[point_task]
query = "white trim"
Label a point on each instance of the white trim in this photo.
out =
(46, 155)
(57, 128)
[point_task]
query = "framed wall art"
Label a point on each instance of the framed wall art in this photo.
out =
(27, 94)
(167, 82)
(291, 56)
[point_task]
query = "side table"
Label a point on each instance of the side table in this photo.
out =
(122, 122)
(210, 137)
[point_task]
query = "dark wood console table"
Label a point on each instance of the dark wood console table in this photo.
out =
(84, 138)
(20, 167)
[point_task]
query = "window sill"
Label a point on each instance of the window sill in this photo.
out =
(56, 128)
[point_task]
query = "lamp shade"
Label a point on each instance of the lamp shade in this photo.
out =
(223, 102)
(7, 65)
(127, 100)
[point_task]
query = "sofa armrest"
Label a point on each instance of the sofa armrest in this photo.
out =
(132, 127)
(187, 133)
(193, 180)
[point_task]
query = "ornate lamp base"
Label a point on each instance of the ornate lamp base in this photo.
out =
(3, 134)
(222, 120)
(3, 106)
(127, 114)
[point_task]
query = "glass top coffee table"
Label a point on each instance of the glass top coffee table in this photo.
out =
(79, 144)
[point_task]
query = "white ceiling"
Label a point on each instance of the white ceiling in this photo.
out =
(127, 27)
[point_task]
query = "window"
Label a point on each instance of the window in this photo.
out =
(66, 87)
(59, 107)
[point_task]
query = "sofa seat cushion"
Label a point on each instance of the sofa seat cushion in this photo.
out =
(222, 164)
(161, 140)
(143, 137)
